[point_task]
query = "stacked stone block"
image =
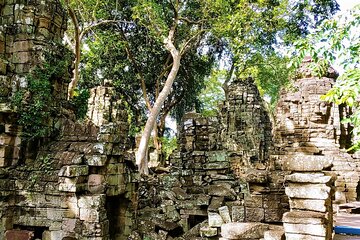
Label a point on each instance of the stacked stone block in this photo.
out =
(10, 137)
(305, 125)
(63, 191)
(310, 193)
(219, 173)
(246, 126)
(26, 29)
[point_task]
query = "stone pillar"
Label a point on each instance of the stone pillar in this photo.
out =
(246, 132)
(310, 193)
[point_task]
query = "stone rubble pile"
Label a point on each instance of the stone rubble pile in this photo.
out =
(218, 174)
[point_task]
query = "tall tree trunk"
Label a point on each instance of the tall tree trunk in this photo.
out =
(77, 52)
(141, 155)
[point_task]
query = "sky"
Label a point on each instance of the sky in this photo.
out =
(347, 4)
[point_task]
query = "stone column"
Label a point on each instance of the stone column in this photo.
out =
(310, 193)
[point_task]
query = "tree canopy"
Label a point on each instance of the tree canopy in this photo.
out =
(158, 52)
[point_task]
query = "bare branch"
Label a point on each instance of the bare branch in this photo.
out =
(94, 25)
(187, 44)
(189, 21)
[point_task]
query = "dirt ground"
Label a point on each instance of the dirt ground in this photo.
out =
(346, 237)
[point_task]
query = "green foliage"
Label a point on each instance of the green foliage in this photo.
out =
(251, 29)
(134, 49)
(35, 104)
(44, 166)
(80, 101)
(338, 40)
(213, 94)
(169, 144)
(271, 74)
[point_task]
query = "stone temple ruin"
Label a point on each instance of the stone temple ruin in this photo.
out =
(241, 175)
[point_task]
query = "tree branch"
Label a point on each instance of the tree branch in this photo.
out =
(187, 44)
(189, 21)
(96, 24)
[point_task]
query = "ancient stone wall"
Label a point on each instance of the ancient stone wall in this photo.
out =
(27, 28)
(305, 125)
(78, 185)
(246, 126)
(73, 186)
(218, 175)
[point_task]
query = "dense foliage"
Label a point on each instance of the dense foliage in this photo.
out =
(145, 39)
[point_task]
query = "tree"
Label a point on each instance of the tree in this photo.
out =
(161, 42)
(85, 16)
(246, 27)
(334, 40)
(179, 35)
(114, 53)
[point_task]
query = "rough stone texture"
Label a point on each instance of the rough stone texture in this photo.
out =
(219, 171)
(310, 142)
(63, 188)
(274, 235)
(227, 169)
(60, 191)
(308, 135)
(243, 230)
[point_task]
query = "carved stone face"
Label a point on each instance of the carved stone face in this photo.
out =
(320, 112)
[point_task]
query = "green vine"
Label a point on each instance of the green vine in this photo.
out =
(45, 167)
(35, 104)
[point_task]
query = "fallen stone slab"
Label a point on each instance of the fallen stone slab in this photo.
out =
(207, 231)
(215, 220)
(225, 214)
(19, 235)
(243, 230)
(221, 191)
(274, 235)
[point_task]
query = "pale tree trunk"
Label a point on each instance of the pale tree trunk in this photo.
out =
(77, 52)
(78, 35)
(141, 155)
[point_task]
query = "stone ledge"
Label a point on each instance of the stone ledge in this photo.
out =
(305, 217)
(306, 163)
(308, 178)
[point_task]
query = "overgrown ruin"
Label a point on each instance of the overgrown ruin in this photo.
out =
(279, 178)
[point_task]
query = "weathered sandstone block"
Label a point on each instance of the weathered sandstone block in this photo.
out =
(206, 231)
(310, 191)
(243, 230)
(306, 163)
